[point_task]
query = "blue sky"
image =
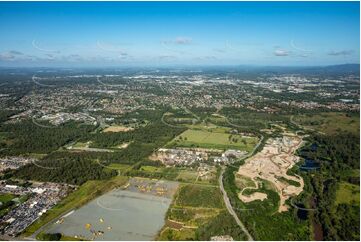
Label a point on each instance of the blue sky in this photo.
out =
(179, 33)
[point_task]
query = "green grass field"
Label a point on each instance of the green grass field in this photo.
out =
(213, 140)
(45, 237)
(199, 196)
(7, 205)
(81, 196)
(178, 235)
(152, 168)
(193, 206)
(6, 197)
(187, 176)
(242, 181)
(81, 144)
(348, 193)
(208, 126)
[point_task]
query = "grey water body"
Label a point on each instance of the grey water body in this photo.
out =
(119, 215)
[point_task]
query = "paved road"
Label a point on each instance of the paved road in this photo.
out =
(226, 199)
(170, 125)
(230, 208)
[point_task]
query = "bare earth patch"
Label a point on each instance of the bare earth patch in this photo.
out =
(123, 146)
(117, 129)
(254, 196)
(271, 164)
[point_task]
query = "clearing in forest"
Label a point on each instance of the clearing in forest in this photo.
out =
(117, 128)
(348, 193)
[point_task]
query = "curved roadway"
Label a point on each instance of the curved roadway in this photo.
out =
(230, 208)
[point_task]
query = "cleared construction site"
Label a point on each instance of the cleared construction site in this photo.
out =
(271, 165)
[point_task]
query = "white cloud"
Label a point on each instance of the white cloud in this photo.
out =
(7, 56)
(281, 52)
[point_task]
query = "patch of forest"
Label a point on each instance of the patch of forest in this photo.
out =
(337, 154)
(64, 167)
(27, 137)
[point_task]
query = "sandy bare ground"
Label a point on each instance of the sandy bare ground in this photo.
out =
(254, 196)
(117, 129)
(123, 146)
(271, 164)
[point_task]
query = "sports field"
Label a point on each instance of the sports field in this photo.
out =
(213, 140)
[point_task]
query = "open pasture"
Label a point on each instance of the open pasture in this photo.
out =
(213, 140)
(199, 196)
(330, 123)
(348, 193)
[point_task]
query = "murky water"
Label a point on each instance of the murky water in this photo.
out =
(118, 215)
(310, 165)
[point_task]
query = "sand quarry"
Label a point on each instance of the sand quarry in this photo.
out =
(271, 164)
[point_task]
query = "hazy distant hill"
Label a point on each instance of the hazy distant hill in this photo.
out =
(334, 69)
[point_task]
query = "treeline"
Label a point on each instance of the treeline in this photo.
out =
(5, 114)
(145, 141)
(252, 121)
(337, 154)
(222, 224)
(108, 139)
(166, 173)
(78, 167)
(203, 112)
(27, 137)
(63, 167)
(342, 149)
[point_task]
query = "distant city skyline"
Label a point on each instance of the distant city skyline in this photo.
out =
(102, 34)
